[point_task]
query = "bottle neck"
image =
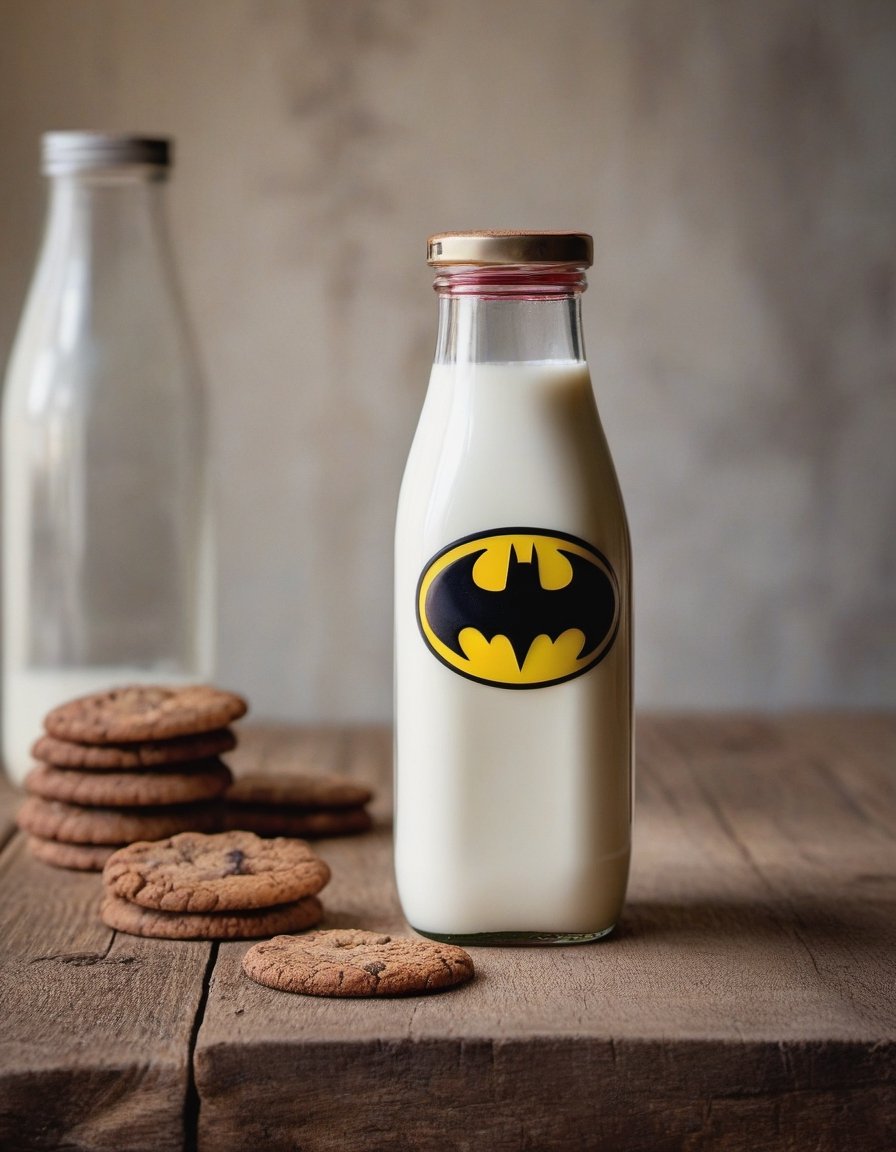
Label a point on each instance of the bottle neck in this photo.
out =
(106, 224)
(510, 314)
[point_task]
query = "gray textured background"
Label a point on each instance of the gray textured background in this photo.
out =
(736, 162)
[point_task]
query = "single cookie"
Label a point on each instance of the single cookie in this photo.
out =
(202, 780)
(80, 857)
(54, 820)
(144, 712)
(298, 791)
(292, 822)
(229, 871)
(150, 754)
(128, 917)
(351, 962)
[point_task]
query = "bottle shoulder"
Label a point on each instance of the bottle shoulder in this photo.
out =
(502, 445)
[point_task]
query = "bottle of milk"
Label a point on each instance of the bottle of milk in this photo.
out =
(513, 643)
(106, 544)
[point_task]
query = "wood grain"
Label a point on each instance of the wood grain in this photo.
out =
(96, 1026)
(746, 1002)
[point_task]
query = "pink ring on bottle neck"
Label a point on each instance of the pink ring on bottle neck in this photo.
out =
(517, 281)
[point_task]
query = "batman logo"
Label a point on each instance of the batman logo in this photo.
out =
(518, 607)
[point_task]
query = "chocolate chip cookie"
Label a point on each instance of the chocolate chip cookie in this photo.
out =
(227, 871)
(178, 784)
(297, 791)
(144, 712)
(80, 857)
(121, 757)
(127, 917)
(311, 825)
(54, 820)
(352, 962)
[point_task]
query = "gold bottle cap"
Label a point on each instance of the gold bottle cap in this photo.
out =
(510, 248)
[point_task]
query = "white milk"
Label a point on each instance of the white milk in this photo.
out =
(30, 694)
(513, 807)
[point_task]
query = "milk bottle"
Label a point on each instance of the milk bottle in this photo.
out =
(513, 641)
(106, 527)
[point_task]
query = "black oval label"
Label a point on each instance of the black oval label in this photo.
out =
(519, 607)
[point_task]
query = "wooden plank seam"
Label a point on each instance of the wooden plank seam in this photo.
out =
(192, 1102)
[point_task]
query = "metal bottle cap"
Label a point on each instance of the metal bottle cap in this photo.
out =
(67, 152)
(510, 248)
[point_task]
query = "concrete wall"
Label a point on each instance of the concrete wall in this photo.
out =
(735, 161)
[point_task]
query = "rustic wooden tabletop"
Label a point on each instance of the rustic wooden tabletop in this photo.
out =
(746, 1002)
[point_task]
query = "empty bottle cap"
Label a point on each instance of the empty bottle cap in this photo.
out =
(65, 152)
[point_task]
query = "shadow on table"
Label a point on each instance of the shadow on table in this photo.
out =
(863, 918)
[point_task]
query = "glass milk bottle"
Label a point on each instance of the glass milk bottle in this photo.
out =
(106, 545)
(513, 642)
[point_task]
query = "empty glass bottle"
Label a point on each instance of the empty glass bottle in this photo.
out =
(106, 525)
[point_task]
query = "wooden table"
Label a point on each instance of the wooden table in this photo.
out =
(746, 1003)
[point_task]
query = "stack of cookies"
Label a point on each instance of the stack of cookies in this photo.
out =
(297, 805)
(135, 763)
(229, 886)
